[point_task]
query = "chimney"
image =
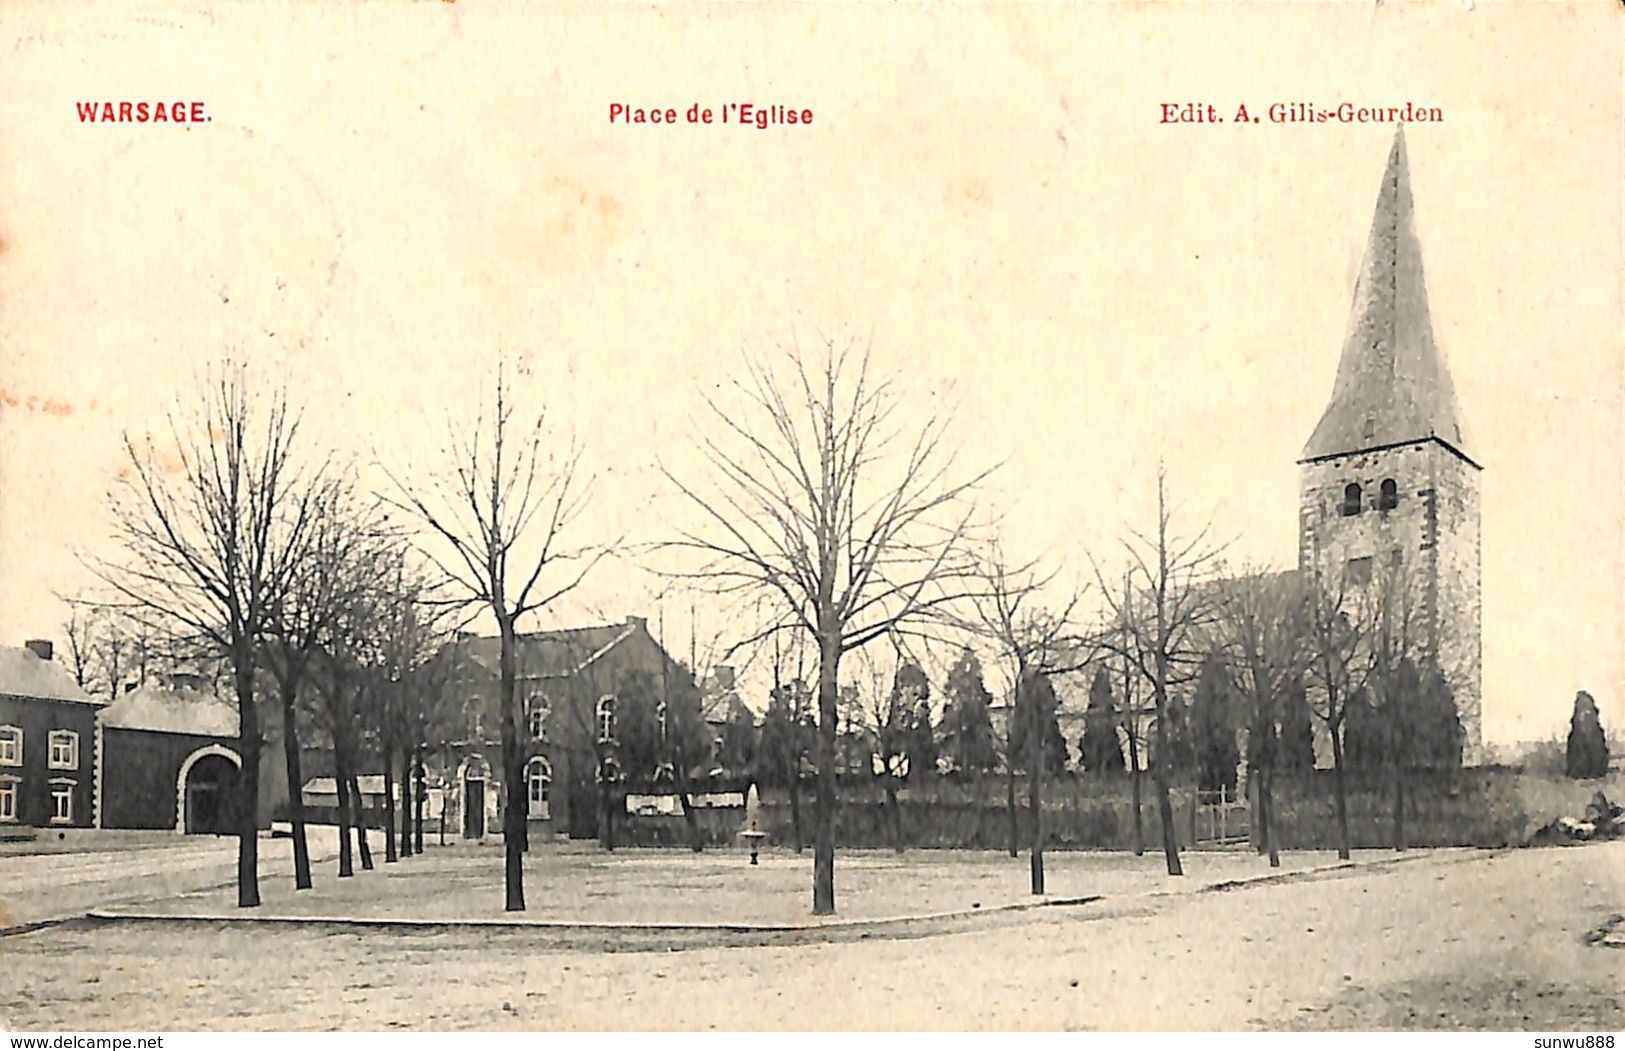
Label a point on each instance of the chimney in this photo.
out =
(723, 676)
(41, 648)
(641, 623)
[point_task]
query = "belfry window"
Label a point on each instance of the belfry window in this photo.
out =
(1351, 499)
(1388, 496)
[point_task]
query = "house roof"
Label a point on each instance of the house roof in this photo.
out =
(23, 673)
(370, 785)
(548, 654)
(182, 710)
(1392, 387)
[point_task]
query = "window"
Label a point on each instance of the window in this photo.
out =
(1351, 499)
(64, 750)
(8, 799)
(539, 780)
(1359, 570)
(536, 717)
(606, 720)
(609, 770)
(1388, 496)
(1396, 558)
(61, 801)
(11, 746)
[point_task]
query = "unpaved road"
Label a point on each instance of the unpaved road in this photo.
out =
(1483, 942)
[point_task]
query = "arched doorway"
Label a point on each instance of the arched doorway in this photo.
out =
(474, 776)
(206, 792)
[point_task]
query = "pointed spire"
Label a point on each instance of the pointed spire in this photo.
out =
(1392, 386)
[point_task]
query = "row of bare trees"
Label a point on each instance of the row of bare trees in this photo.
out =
(856, 528)
(239, 550)
(817, 499)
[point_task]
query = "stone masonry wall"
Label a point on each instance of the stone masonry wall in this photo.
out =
(1434, 530)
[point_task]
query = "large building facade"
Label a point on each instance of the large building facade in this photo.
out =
(1389, 488)
(579, 687)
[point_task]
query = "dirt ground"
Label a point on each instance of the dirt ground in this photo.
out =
(1482, 941)
(583, 885)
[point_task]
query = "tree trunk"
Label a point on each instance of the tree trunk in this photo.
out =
(248, 783)
(389, 803)
(606, 826)
(1134, 790)
(342, 784)
(1399, 806)
(1010, 802)
(1035, 791)
(894, 813)
(1271, 835)
(795, 803)
(359, 801)
(829, 656)
(696, 836)
(513, 774)
(1261, 841)
(405, 832)
(1255, 800)
(1165, 811)
(1165, 808)
(419, 793)
(1342, 794)
(296, 782)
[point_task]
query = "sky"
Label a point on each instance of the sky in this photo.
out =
(389, 197)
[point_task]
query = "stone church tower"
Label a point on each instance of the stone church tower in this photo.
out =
(1388, 481)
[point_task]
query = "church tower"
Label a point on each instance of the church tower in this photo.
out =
(1388, 481)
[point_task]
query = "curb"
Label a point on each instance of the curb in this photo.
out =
(1299, 875)
(581, 926)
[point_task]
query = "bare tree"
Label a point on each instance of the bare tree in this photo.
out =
(1263, 631)
(1034, 643)
(888, 697)
(324, 586)
(1133, 721)
(80, 632)
(508, 486)
(429, 709)
(788, 729)
(1339, 622)
(824, 500)
(1403, 637)
(107, 647)
(210, 537)
(1160, 617)
(413, 634)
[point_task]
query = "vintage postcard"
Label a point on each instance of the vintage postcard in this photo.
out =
(783, 517)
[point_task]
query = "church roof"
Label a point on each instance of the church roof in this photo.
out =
(1392, 386)
(553, 654)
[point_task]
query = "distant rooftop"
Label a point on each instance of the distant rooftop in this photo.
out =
(24, 673)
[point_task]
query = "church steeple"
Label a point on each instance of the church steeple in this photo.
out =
(1392, 386)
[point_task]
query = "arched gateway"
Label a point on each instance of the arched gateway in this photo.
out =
(206, 792)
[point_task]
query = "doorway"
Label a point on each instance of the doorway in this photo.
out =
(210, 797)
(474, 808)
